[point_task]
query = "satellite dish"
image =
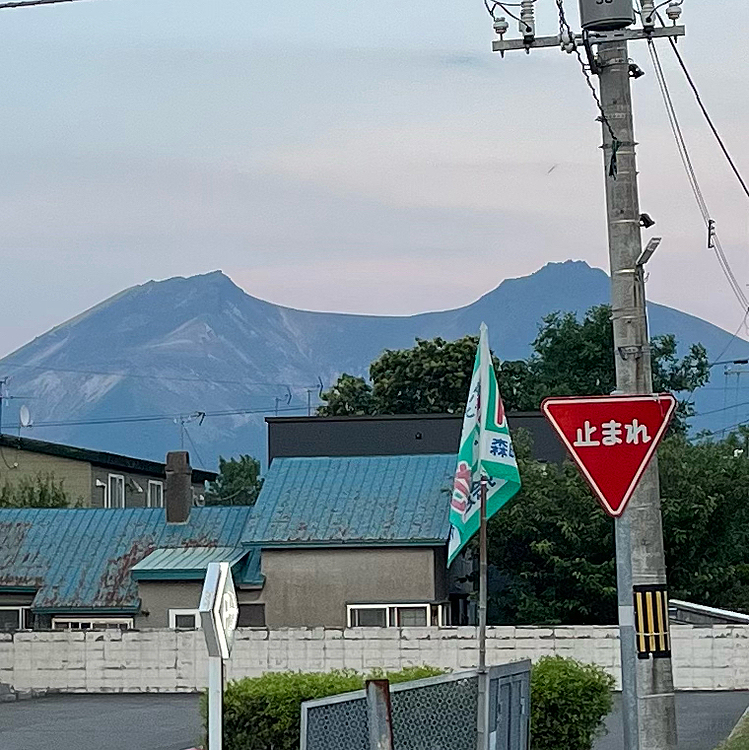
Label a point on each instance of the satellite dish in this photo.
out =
(24, 416)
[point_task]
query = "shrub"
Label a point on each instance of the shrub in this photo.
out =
(569, 702)
(263, 713)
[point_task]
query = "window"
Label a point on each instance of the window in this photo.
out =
(411, 617)
(92, 623)
(155, 494)
(389, 615)
(14, 618)
(251, 616)
(184, 619)
(116, 495)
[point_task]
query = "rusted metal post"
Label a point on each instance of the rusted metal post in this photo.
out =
(379, 716)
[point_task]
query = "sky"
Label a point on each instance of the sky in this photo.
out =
(371, 157)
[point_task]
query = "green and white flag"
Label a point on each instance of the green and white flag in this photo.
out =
(485, 448)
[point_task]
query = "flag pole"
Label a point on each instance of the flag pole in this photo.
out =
(483, 697)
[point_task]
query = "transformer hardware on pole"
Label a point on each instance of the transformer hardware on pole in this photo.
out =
(648, 707)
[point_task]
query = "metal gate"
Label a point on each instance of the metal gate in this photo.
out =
(437, 713)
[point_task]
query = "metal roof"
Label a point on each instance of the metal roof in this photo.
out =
(98, 458)
(80, 558)
(362, 500)
(184, 563)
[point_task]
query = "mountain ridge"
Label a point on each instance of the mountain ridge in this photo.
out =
(202, 344)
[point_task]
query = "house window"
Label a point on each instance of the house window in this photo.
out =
(14, 618)
(389, 615)
(92, 623)
(116, 495)
(184, 619)
(155, 494)
(251, 616)
(412, 617)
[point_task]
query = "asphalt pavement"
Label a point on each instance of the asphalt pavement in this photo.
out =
(157, 721)
(150, 721)
(703, 720)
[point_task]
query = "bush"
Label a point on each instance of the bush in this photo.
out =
(263, 713)
(569, 702)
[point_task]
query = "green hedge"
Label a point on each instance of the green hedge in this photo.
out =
(569, 702)
(263, 713)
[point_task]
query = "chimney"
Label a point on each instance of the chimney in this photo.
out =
(178, 487)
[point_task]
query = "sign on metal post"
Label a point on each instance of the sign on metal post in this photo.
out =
(611, 439)
(218, 609)
(218, 618)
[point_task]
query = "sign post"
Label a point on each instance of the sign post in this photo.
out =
(612, 440)
(218, 617)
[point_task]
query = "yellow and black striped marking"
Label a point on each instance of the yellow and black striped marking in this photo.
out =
(651, 622)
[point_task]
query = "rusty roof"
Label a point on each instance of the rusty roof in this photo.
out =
(80, 558)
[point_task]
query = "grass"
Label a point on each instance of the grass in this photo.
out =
(739, 737)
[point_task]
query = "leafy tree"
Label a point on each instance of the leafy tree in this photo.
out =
(553, 547)
(238, 482)
(569, 357)
(40, 491)
(350, 396)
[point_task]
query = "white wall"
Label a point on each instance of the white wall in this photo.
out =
(705, 658)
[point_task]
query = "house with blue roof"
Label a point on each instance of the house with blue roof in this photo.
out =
(350, 529)
(354, 540)
(83, 568)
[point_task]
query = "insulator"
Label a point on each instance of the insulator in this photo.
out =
(674, 12)
(527, 24)
(648, 14)
(501, 26)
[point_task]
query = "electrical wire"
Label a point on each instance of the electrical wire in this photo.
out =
(684, 155)
(145, 418)
(138, 376)
(565, 32)
(706, 114)
(24, 3)
(194, 447)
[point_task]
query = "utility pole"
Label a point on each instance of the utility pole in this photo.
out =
(648, 704)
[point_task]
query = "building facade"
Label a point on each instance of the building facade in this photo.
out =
(90, 479)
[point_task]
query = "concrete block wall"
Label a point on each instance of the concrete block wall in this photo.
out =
(705, 658)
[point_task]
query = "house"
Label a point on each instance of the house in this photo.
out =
(352, 521)
(354, 540)
(84, 568)
(91, 479)
(350, 529)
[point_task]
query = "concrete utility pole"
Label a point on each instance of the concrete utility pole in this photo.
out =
(647, 678)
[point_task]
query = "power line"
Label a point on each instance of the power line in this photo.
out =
(568, 39)
(24, 3)
(195, 447)
(140, 376)
(145, 418)
(709, 119)
(713, 239)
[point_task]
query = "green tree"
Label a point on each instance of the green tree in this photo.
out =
(238, 482)
(350, 396)
(553, 547)
(570, 356)
(40, 491)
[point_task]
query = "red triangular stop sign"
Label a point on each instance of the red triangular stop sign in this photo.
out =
(611, 439)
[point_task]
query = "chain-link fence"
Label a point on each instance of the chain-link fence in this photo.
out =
(437, 713)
